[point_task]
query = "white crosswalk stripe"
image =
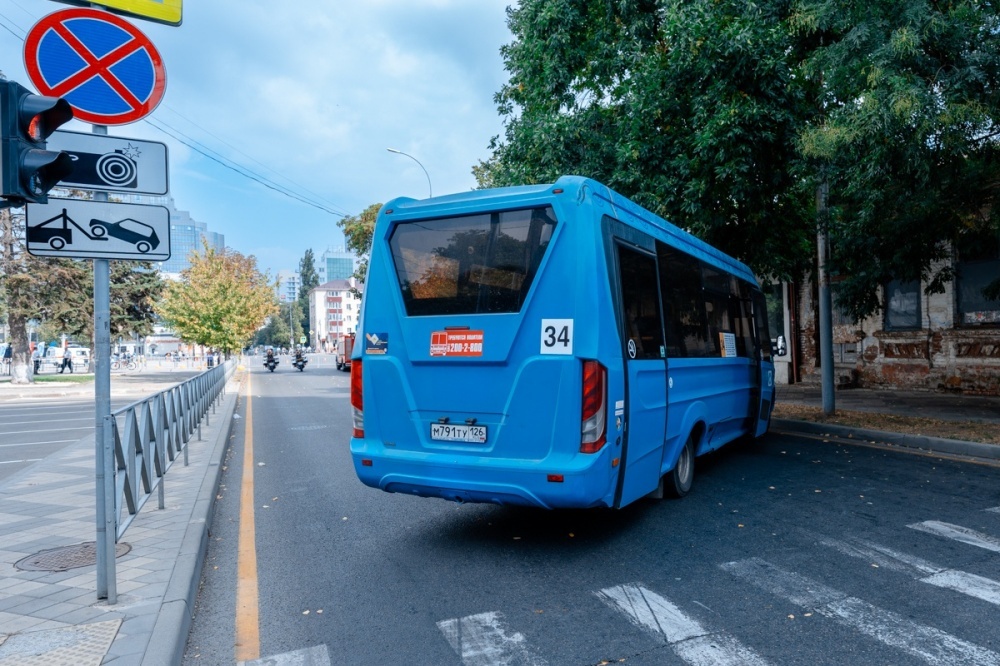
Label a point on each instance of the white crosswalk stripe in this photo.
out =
(688, 639)
(966, 583)
(959, 533)
(934, 646)
(483, 640)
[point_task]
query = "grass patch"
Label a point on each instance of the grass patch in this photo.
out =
(63, 379)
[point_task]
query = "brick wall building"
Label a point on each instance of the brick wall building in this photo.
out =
(948, 341)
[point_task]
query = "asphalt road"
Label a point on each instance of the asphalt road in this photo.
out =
(33, 428)
(790, 551)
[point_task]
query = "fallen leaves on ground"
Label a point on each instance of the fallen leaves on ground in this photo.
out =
(910, 425)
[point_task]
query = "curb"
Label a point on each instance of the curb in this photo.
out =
(901, 440)
(173, 621)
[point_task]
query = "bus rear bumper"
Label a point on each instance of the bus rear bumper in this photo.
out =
(579, 488)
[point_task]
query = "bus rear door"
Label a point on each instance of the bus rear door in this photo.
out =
(645, 368)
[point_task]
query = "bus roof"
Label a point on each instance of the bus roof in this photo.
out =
(465, 202)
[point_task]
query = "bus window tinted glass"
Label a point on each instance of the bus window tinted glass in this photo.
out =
(472, 264)
(683, 305)
(641, 302)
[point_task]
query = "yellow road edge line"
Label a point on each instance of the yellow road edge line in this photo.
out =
(247, 605)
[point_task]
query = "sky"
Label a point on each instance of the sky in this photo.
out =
(309, 94)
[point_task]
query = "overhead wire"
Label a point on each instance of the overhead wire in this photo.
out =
(212, 154)
(235, 167)
(295, 185)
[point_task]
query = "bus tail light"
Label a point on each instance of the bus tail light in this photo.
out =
(357, 400)
(595, 401)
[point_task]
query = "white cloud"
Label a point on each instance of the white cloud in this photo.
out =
(315, 91)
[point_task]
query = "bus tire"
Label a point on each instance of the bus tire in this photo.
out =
(678, 482)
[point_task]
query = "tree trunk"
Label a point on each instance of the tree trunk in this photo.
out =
(20, 370)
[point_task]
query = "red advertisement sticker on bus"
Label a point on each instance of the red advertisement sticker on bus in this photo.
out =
(457, 343)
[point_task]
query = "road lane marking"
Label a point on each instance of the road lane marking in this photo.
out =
(62, 419)
(995, 509)
(55, 441)
(689, 640)
(14, 462)
(483, 640)
(247, 605)
(969, 584)
(31, 432)
(959, 533)
(314, 656)
(934, 646)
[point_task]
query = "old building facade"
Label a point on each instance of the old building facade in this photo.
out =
(947, 341)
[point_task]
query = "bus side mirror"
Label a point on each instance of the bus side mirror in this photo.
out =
(779, 347)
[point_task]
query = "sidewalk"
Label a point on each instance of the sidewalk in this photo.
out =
(929, 404)
(49, 612)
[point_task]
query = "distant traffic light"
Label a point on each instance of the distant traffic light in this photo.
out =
(27, 170)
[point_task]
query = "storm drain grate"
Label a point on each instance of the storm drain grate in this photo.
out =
(67, 557)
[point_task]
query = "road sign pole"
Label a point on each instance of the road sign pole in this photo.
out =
(103, 437)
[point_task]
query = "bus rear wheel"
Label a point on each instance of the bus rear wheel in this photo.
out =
(680, 479)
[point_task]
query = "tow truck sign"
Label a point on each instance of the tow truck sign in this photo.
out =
(82, 229)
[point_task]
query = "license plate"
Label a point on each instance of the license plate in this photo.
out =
(447, 432)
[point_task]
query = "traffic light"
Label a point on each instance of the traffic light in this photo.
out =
(27, 170)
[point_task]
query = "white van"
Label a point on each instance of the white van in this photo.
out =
(53, 358)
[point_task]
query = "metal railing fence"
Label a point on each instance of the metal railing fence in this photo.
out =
(150, 434)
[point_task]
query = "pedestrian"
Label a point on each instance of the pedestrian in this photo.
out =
(8, 354)
(36, 359)
(67, 361)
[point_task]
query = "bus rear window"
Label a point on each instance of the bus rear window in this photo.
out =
(473, 264)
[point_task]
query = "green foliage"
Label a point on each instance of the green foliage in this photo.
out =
(358, 230)
(58, 294)
(907, 139)
(724, 116)
(308, 279)
(221, 300)
(689, 108)
(276, 332)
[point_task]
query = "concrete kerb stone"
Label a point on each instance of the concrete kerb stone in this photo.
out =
(173, 622)
(899, 440)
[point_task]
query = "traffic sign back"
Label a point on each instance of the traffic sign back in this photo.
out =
(106, 68)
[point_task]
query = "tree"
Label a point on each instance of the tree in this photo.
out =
(220, 301)
(689, 108)
(45, 290)
(136, 287)
(724, 115)
(908, 135)
(274, 333)
(358, 230)
(308, 280)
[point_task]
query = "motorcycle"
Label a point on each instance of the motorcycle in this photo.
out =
(271, 363)
(300, 363)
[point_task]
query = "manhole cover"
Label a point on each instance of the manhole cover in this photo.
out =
(67, 557)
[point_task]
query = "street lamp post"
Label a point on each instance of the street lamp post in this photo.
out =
(430, 192)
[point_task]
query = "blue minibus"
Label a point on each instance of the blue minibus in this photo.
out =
(553, 346)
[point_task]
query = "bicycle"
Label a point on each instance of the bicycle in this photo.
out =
(127, 365)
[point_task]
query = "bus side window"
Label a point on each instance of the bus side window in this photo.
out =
(641, 302)
(683, 304)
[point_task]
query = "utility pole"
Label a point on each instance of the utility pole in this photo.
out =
(825, 304)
